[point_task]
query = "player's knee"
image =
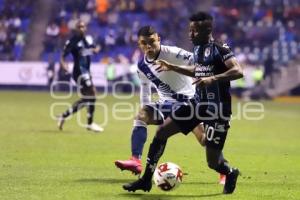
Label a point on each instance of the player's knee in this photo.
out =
(143, 115)
(92, 94)
(91, 90)
(89, 101)
(93, 98)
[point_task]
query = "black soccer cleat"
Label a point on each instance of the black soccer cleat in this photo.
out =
(231, 180)
(140, 184)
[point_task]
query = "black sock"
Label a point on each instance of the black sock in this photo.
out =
(223, 168)
(75, 107)
(90, 110)
(156, 150)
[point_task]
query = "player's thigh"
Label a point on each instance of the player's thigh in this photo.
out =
(216, 133)
(155, 113)
(167, 129)
(185, 117)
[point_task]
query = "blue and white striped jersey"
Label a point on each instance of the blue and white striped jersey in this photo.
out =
(171, 86)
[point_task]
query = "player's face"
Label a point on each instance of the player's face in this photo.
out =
(81, 28)
(149, 45)
(200, 32)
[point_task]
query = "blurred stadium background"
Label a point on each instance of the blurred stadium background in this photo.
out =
(39, 162)
(264, 35)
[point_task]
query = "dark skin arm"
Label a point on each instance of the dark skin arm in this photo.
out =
(234, 72)
(64, 64)
(165, 66)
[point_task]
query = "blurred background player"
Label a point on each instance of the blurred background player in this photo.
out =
(81, 47)
(215, 66)
(173, 90)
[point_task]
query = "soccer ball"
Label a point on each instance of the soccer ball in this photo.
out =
(167, 176)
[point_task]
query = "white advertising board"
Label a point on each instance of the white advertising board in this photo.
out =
(35, 73)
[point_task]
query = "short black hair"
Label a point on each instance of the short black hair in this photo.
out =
(201, 16)
(146, 31)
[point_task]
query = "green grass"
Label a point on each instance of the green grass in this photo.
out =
(39, 162)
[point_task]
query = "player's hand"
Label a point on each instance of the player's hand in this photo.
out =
(202, 82)
(97, 49)
(163, 66)
(65, 67)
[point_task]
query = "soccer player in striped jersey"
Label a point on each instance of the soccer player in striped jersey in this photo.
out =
(173, 89)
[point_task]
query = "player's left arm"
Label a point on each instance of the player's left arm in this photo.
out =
(67, 49)
(145, 89)
(234, 71)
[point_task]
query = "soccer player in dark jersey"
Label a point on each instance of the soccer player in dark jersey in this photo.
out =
(173, 88)
(215, 66)
(81, 47)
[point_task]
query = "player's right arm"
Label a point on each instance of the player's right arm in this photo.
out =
(165, 66)
(145, 89)
(67, 49)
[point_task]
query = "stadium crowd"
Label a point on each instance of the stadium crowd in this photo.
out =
(271, 26)
(261, 32)
(14, 24)
(114, 23)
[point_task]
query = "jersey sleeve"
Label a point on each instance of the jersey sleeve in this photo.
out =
(179, 56)
(145, 89)
(91, 43)
(224, 52)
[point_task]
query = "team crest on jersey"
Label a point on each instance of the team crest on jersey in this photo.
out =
(207, 52)
(149, 76)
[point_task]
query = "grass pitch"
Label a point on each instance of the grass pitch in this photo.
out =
(39, 162)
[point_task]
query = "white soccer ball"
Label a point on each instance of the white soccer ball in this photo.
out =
(167, 176)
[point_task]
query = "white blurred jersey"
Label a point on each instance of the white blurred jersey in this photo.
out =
(171, 86)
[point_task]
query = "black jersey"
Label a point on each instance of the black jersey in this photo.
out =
(80, 48)
(210, 60)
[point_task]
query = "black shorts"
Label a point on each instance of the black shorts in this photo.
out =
(187, 117)
(83, 81)
(162, 110)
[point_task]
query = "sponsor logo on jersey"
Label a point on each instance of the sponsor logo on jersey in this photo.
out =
(204, 70)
